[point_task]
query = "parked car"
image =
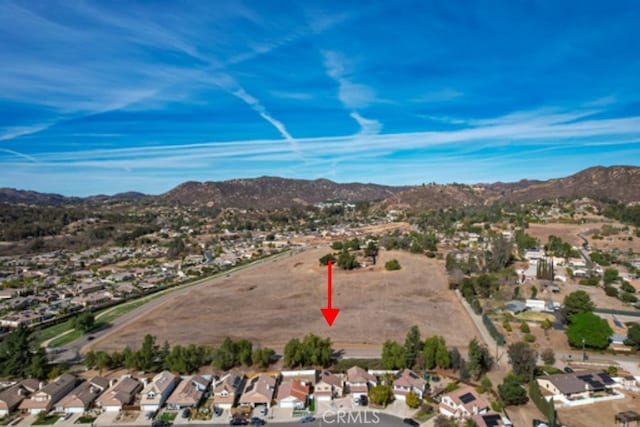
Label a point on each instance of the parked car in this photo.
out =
(364, 400)
(263, 410)
(186, 412)
(255, 421)
(568, 370)
(411, 422)
(148, 415)
(67, 415)
(238, 422)
(218, 411)
(160, 423)
(307, 419)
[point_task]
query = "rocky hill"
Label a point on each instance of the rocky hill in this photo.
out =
(621, 183)
(272, 192)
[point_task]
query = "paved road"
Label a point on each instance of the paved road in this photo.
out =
(352, 419)
(73, 349)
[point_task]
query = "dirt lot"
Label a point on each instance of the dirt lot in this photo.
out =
(599, 414)
(282, 299)
(569, 232)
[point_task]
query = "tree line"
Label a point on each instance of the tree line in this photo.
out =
(184, 359)
(433, 353)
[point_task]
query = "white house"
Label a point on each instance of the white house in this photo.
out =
(359, 381)
(463, 403)
(328, 386)
(536, 304)
(82, 396)
(157, 391)
(407, 381)
(120, 393)
(227, 390)
(293, 394)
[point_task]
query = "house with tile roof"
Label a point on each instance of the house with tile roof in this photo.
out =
(188, 393)
(12, 397)
(464, 402)
(328, 386)
(157, 391)
(44, 399)
(359, 381)
(227, 390)
(406, 381)
(119, 394)
(293, 394)
(258, 390)
(576, 385)
(83, 396)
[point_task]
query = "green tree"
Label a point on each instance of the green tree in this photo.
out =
(548, 356)
(591, 328)
(328, 257)
(85, 322)
(511, 391)
(546, 325)
(15, 353)
(262, 357)
(523, 359)
(381, 394)
(90, 359)
(633, 336)
(393, 355)
(148, 353)
(347, 261)
(524, 327)
(412, 400)
(577, 302)
(412, 346)
(610, 276)
(500, 254)
(392, 265)
(480, 360)
(39, 366)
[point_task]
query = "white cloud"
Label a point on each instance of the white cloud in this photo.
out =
(352, 95)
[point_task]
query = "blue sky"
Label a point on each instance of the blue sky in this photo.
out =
(104, 97)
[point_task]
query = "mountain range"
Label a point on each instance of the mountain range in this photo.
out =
(619, 183)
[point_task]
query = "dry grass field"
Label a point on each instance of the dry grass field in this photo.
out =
(569, 233)
(599, 414)
(279, 300)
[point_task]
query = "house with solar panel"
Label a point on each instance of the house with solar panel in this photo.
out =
(407, 381)
(464, 402)
(577, 385)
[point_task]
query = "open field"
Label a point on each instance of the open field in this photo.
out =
(279, 300)
(569, 233)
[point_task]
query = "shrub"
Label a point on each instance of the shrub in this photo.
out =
(524, 327)
(492, 330)
(475, 305)
(529, 338)
(610, 291)
(627, 297)
(626, 286)
(497, 406)
(506, 325)
(612, 371)
(392, 265)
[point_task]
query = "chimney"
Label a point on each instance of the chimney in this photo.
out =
(40, 385)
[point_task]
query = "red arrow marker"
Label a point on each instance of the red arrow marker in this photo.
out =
(329, 313)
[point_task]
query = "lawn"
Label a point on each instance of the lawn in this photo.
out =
(535, 316)
(73, 335)
(52, 331)
(47, 420)
(85, 420)
(168, 416)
